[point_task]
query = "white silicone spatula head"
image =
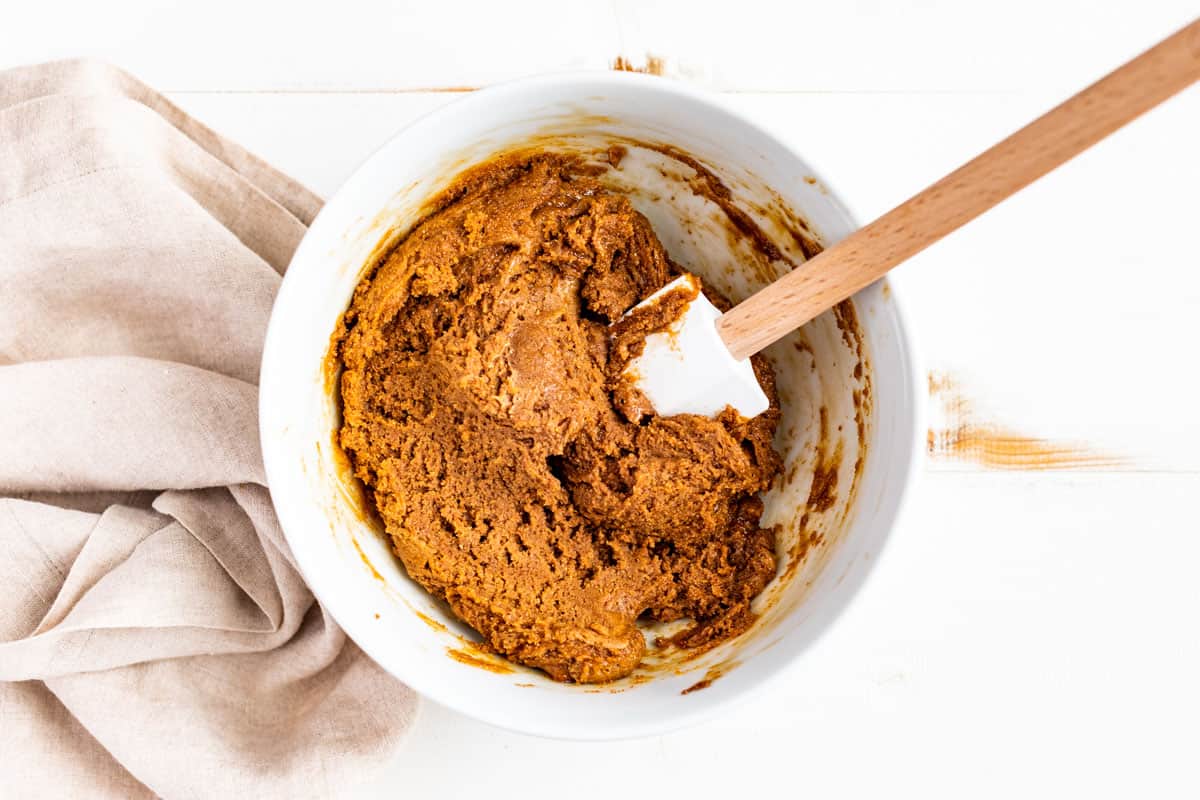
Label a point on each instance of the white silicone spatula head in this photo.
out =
(687, 369)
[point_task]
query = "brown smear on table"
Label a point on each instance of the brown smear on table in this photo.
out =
(654, 65)
(966, 436)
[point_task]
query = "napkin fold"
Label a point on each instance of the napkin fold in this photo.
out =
(156, 637)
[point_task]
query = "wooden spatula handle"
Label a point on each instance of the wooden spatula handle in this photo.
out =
(866, 255)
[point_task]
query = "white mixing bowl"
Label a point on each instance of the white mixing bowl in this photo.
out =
(853, 370)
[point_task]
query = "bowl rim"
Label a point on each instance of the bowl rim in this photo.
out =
(912, 372)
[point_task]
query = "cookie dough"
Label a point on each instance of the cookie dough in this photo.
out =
(517, 476)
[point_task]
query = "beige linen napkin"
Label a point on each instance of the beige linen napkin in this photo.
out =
(155, 635)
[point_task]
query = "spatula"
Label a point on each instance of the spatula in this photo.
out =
(700, 363)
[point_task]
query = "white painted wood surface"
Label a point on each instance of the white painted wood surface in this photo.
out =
(1029, 632)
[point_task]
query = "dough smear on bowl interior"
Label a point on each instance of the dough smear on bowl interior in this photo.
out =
(517, 476)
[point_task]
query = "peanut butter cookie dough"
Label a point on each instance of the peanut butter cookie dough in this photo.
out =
(516, 477)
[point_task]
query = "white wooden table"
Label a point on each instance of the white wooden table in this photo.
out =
(1035, 626)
